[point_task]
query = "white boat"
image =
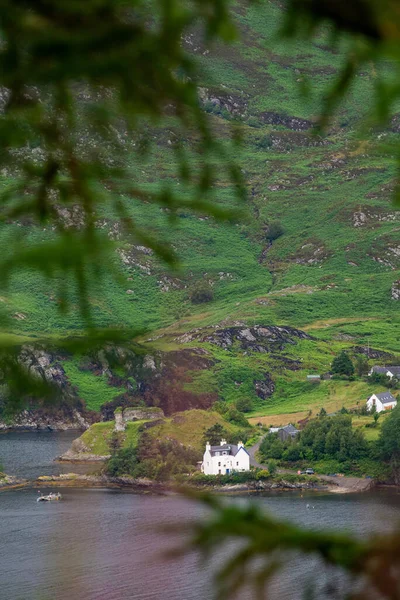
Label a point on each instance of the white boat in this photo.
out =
(49, 498)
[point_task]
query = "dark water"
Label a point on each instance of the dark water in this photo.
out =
(102, 544)
(30, 454)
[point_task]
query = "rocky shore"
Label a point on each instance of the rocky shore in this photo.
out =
(148, 485)
(35, 420)
(8, 481)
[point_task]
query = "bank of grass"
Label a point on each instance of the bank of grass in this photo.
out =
(294, 398)
(341, 296)
(100, 436)
(188, 427)
(93, 389)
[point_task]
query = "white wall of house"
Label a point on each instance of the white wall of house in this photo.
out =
(225, 463)
(374, 400)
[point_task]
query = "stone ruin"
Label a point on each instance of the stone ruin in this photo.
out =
(135, 414)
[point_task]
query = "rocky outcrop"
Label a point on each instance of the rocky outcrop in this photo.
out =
(8, 481)
(264, 388)
(44, 364)
(396, 290)
(260, 338)
(44, 420)
(372, 353)
(79, 452)
(293, 123)
(234, 104)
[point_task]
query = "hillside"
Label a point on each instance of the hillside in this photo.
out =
(333, 275)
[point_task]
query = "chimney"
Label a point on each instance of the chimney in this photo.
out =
(223, 442)
(240, 445)
(208, 447)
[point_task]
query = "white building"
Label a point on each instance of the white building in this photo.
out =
(225, 458)
(383, 401)
(388, 371)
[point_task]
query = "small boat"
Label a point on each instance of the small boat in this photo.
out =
(49, 498)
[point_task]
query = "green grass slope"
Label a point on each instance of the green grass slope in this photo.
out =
(330, 273)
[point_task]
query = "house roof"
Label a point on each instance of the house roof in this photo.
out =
(290, 429)
(394, 370)
(377, 369)
(386, 397)
(230, 448)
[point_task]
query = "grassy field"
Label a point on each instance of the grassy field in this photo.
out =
(187, 428)
(98, 437)
(330, 273)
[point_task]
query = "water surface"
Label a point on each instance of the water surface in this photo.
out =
(106, 544)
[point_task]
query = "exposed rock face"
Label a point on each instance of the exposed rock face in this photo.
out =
(33, 420)
(294, 123)
(312, 252)
(233, 103)
(80, 452)
(396, 290)
(43, 364)
(264, 388)
(372, 353)
(257, 339)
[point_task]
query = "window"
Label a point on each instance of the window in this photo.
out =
(224, 452)
(217, 454)
(237, 464)
(219, 464)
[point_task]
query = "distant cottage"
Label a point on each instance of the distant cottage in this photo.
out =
(225, 459)
(383, 401)
(289, 431)
(314, 378)
(388, 371)
(284, 433)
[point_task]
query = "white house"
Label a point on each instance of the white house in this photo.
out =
(388, 371)
(225, 458)
(383, 401)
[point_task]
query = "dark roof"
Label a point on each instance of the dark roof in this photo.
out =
(394, 370)
(290, 429)
(230, 448)
(386, 397)
(377, 369)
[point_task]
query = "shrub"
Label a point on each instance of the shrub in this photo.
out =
(124, 462)
(272, 467)
(236, 417)
(201, 292)
(264, 142)
(262, 474)
(244, 404)
(253, 122)
(275, 231)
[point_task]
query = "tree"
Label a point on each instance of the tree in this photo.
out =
(361, 366)
(389, 439)
(342, 364)
(214, 434)
(272, 467)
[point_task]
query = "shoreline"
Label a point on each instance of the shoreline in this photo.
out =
(75, 480)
